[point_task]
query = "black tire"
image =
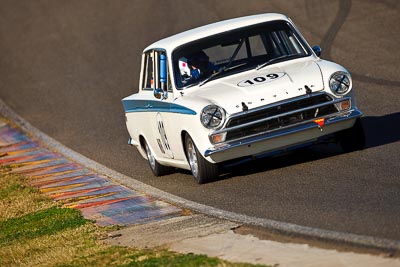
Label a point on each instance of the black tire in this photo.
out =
(156, 168)
(203, 171)
(352, 139)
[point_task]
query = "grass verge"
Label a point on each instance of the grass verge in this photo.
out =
(35, 231)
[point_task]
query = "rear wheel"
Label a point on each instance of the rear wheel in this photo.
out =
(156, 168)
(352, 139)
(203, 171)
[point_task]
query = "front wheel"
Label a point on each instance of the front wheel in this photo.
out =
(156, 168)
(202, 170)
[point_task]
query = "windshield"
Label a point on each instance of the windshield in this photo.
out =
(227, 53)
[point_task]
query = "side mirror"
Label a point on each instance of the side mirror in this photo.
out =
(160, 94)
(317, 50)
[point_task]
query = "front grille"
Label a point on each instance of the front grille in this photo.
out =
(279, 115)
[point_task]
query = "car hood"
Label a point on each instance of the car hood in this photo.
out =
(257, 88)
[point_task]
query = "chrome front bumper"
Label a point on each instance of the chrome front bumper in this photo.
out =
(287, 130)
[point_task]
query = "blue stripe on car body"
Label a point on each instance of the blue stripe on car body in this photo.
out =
(154, 106)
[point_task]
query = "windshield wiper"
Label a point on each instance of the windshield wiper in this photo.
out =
(272, 60)
(221, 70)
(190, 85)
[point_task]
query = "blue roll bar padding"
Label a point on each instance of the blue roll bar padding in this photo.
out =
(163, 68)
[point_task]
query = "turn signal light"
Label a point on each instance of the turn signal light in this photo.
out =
(218, 138)
(343, 105)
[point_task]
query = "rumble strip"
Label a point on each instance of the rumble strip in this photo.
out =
(96, 196)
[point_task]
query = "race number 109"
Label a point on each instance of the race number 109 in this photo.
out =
(261, 79)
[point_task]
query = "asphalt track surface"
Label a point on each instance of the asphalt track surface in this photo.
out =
(65, 66)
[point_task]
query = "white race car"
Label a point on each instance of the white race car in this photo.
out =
(238, 88)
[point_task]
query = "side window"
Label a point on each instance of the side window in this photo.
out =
(155, 71)
(148, 73)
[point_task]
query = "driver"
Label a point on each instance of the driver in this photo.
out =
(200, 65)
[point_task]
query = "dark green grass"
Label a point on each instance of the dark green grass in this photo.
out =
(44, 222)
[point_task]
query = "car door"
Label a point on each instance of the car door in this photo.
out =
(155, 78)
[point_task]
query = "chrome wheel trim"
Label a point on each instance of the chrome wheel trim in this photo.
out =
(150, 157)
(192, 156)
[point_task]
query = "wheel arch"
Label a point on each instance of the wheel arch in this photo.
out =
(183, 138)
(141, 148)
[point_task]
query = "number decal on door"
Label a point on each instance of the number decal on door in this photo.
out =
(163, 140)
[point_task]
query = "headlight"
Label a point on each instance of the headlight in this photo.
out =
(340, 83)
(212, 117)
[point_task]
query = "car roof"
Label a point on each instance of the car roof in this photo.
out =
(179, 39)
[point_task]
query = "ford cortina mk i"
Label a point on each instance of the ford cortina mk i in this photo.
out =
(242, 87)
